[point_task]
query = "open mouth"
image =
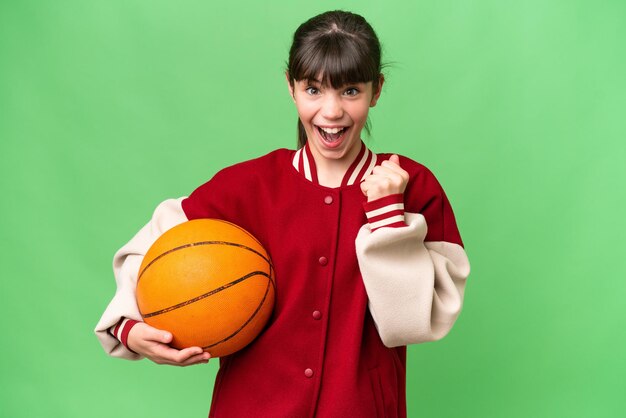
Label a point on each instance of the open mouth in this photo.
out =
(332, 135)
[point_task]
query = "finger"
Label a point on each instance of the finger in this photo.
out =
(389, 169)
(197, 359)
(385, 168)
(376, 177)
(187, 357)
(162, 353)
(371, 182)
(364, 187)
(394, 172)
(382, 170)
(154, 334)
(395, 168)
(386, 177)
(395, 159)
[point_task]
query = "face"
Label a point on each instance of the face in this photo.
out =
(333, 118)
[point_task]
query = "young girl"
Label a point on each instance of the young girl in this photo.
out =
(365, 247)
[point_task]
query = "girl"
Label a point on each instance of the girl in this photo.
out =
(365, 247)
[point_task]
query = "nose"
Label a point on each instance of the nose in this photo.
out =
(332, 107)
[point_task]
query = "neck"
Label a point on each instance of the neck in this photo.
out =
(330, 173)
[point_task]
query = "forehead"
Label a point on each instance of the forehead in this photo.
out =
(327, 83)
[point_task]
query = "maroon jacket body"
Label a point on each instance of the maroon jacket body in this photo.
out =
(320, 355)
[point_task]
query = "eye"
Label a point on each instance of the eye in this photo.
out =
(351, 91)
(312, 90)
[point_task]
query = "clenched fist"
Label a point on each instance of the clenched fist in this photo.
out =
(385, 179)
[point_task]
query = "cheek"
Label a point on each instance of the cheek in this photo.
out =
(359, 113)
(305, 112)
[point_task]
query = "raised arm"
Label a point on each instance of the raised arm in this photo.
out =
(414, 277)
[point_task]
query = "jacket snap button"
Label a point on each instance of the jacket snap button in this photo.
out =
(328, 200)
(308, 373)
(323, 261)
(317, 315)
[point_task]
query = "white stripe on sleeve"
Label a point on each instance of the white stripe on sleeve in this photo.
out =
(387, 221)
(385, 209)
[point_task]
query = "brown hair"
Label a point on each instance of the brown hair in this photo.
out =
(341, 46)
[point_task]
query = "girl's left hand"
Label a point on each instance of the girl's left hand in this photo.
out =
(386, 179)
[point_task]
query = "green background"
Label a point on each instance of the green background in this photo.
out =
(518, 107)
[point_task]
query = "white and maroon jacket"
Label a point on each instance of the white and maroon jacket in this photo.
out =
(356, 282)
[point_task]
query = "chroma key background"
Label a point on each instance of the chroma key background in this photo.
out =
(109, 107)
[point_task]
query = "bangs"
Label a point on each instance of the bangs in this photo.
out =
(337, 58)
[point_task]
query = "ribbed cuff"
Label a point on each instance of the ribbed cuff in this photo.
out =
(387, 211)
(121, 330)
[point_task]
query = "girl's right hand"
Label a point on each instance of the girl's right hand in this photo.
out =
(153, 343)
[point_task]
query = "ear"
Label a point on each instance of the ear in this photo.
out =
(381, 81)
(290, 86)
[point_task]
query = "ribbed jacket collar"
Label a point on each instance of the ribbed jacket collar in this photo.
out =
(362, 165)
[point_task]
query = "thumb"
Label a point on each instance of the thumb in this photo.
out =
(395, 159)
(166, 337)
(159, 335)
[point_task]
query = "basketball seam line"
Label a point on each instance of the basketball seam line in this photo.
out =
(206, 295)
(241, 229)
(245, 323)
(195, 244)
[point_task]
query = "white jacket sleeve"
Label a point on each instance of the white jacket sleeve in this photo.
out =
(415, 288)
(126, 263)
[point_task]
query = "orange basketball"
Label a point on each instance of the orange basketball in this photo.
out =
(210, 283)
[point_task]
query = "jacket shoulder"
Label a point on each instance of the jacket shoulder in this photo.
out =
(230, 185)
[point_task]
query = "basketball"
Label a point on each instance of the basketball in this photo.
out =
(208, 282)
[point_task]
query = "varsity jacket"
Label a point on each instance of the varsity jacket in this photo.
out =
(355, 283)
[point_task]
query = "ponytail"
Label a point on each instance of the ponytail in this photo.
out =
(301, 134)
